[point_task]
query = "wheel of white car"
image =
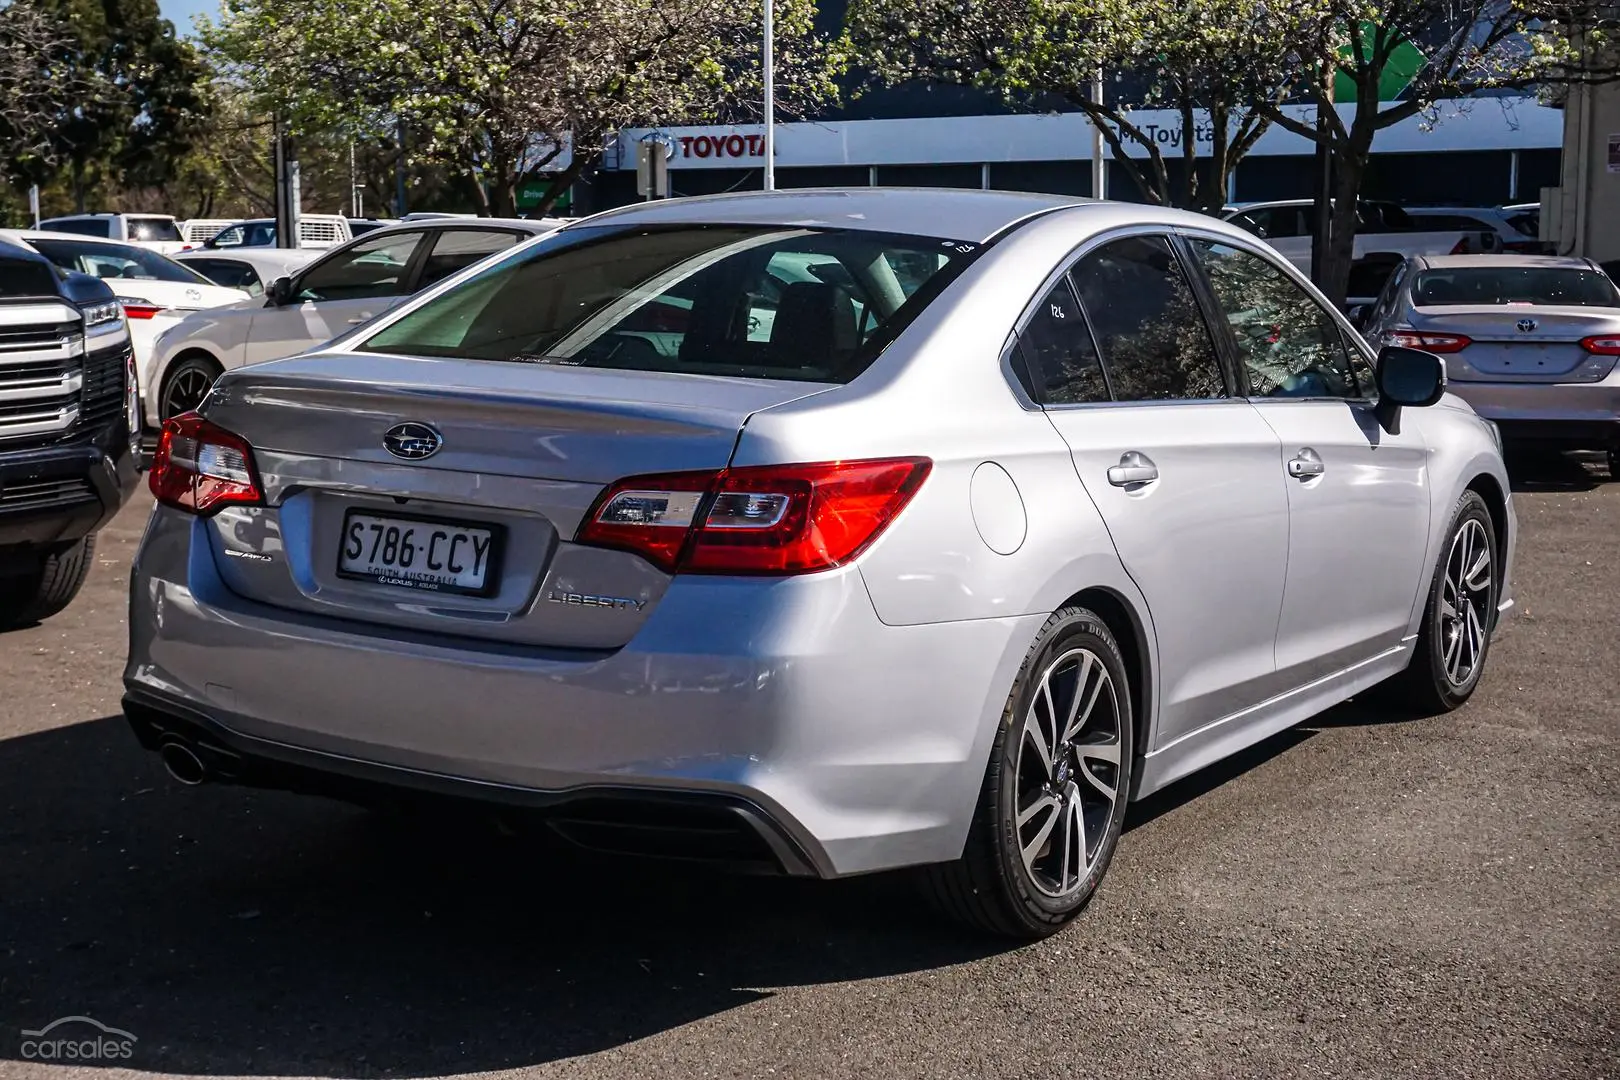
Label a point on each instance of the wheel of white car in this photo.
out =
(1458, 616)
(1054, 795)
(186, 383)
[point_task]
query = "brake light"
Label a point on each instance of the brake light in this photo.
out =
(138, 309)
(1435, 343)
(764, 519)
(1602, 346)
(200, 467)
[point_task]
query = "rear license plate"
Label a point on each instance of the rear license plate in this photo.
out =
(420, 553)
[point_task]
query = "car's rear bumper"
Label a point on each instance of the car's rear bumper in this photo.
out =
(1574, 414)
(863, 745)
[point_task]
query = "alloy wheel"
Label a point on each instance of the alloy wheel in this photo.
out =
(186, 391)
(1465, 603)
(1068, 772)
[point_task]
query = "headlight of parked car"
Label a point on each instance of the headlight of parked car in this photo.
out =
(101, 314)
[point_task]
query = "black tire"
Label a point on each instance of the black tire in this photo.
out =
(991, 887)
(34, 597)
(181, 381)
(1426, 687)
(1614, 463)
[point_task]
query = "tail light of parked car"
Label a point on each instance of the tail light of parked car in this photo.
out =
(200, 467)
(138, 309)
(1435, 343)
(767, 519)
(1604, 345)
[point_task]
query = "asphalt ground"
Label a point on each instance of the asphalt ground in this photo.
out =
(1359, 897)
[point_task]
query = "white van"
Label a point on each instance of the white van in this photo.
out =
(159, 232)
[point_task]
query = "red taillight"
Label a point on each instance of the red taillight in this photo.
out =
(1435, 343)
(200, 467)
(137, 309)
(762, 519)
(1460, 247)
(1603, 345)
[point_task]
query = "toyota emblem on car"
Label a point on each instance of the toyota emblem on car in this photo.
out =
(1527, 326)
(412, 441)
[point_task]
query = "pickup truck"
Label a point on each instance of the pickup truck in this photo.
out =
(1385, 236)
(69, 415)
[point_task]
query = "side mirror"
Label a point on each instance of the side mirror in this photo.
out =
(1357, 314)
(1407, 377)
(280, 291)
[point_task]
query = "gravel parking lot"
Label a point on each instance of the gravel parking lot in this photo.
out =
(1355, 898)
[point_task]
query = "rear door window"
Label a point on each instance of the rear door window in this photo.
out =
(456, 249)
(751, 301)
(1058, 352)
(1150, 330)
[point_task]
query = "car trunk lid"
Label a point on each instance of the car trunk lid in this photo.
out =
(1521, 342)
(524, 450)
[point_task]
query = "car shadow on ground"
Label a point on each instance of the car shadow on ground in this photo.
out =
(238, 932)
(1533, 468)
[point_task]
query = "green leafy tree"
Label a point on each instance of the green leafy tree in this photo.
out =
(40, 82)
(148, 103)
(501, 90)
(1221, 58)
(1468, 47)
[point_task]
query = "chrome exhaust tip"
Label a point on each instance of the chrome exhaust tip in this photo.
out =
(183, 763)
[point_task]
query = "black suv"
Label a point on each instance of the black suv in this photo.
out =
(68, 406)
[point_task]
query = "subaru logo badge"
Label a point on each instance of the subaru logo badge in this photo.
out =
(1527, 326)
(412, 441)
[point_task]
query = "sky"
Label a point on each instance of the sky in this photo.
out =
(180, 12)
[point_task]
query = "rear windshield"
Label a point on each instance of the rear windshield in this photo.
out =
(113, 261)
(771, 302)
(1463, 286)
(148, 229)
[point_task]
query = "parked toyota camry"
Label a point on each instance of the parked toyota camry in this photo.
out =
(831, 531)
(1532, 342)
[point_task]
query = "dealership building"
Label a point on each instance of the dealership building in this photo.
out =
(1478, 152)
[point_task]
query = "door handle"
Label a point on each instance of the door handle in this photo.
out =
(358, 319)
(1133, 468)
(1306, 464)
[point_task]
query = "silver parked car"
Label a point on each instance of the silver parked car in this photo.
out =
(837, 531)
(1531, 342)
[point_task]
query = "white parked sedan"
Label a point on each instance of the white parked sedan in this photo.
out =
(332, 295)
(249, 269)
(157, 292)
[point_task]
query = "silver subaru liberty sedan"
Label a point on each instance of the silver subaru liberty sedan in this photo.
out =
(826, 532)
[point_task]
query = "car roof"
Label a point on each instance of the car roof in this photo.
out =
(108, 214)
(1449, 262)
(946, 213)
(25, 235)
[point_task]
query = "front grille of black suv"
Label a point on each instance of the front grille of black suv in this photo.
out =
(104, 372)
(51, 390)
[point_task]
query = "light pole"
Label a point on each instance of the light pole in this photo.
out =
(1099, 167)
(770, 102)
